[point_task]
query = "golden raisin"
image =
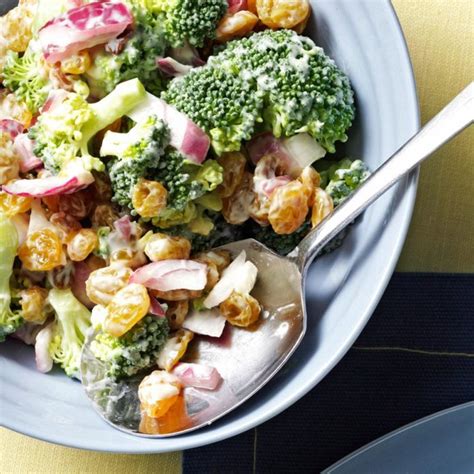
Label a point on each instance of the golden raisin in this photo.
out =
(131, 257)
(300, 27)
(174, 349)
(16, 25)
(104, 215)
(282, 13)
(176, 313)
(42, 251)
(235, 26)
(101, 186)
(82, 244)
(149, 198)
(127, 307)
(78, 204)
(288, 207)
(322, 207)
(310, 179)
(33, 303)
(233, 164)
(66, 225)
(240, 310)
(12, 107)
(236, 208)
(158, 392)
(220, 258)
(164, 247)
(12, 205)
(9, 162)
(259, 210)
(104, 283)
(77, 63)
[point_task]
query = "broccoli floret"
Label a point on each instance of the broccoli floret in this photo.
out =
(282, 244)
(136, 60)
(343, 178)
(184, 180)
(191, 20)
(190, 190)
(137, 151)
(222, 233)
(69, 330)
(273, 80)
(62, 134)
(10, 319)
(27, 77)
(138, 349)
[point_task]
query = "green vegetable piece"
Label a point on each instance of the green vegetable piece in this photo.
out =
(69, 330)
(138, 349)
(272, 80)
(10, 320)
(62, 134)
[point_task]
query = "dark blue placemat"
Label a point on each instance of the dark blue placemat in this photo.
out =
(415, 357)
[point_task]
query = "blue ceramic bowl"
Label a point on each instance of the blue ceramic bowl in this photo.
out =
(365, 39)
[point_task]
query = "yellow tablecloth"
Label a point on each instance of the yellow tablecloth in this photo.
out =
(441, 41)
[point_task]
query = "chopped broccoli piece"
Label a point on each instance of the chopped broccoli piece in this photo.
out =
(136, 60)
(10, 319)
(273, 80)
(27, 77)
(158, 25)
(136, 350)
(343, 178)
(184, 180)
(69, 330)
(191, 20)
(137, 151)
(189, 189)
(62, 134)
(222, 233)
(282, 244)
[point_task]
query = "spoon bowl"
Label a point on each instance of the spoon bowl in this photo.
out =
(246, 358)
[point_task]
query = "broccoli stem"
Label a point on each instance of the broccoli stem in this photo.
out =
(113, 106)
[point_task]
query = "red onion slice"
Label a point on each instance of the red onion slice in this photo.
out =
(167, 275)
(50, 186)
(83, 27)
(197, 375)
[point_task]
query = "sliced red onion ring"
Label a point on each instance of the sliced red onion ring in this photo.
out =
(24, 146)
(124, 227)
(12, 127)
(78, 287)
(171, 67)
(44, 362)
(156, 308)
(167, 275)
(83, 27)
(236, 6)
(197, 375)
(50, 186)
(300, 150)
(186, 136)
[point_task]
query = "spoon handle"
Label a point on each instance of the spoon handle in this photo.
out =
(456, 116)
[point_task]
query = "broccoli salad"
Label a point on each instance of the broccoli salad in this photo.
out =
(138, 136)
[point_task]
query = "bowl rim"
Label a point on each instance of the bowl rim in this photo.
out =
(413, 123)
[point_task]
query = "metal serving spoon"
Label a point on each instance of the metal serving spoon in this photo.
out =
(248, 358)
